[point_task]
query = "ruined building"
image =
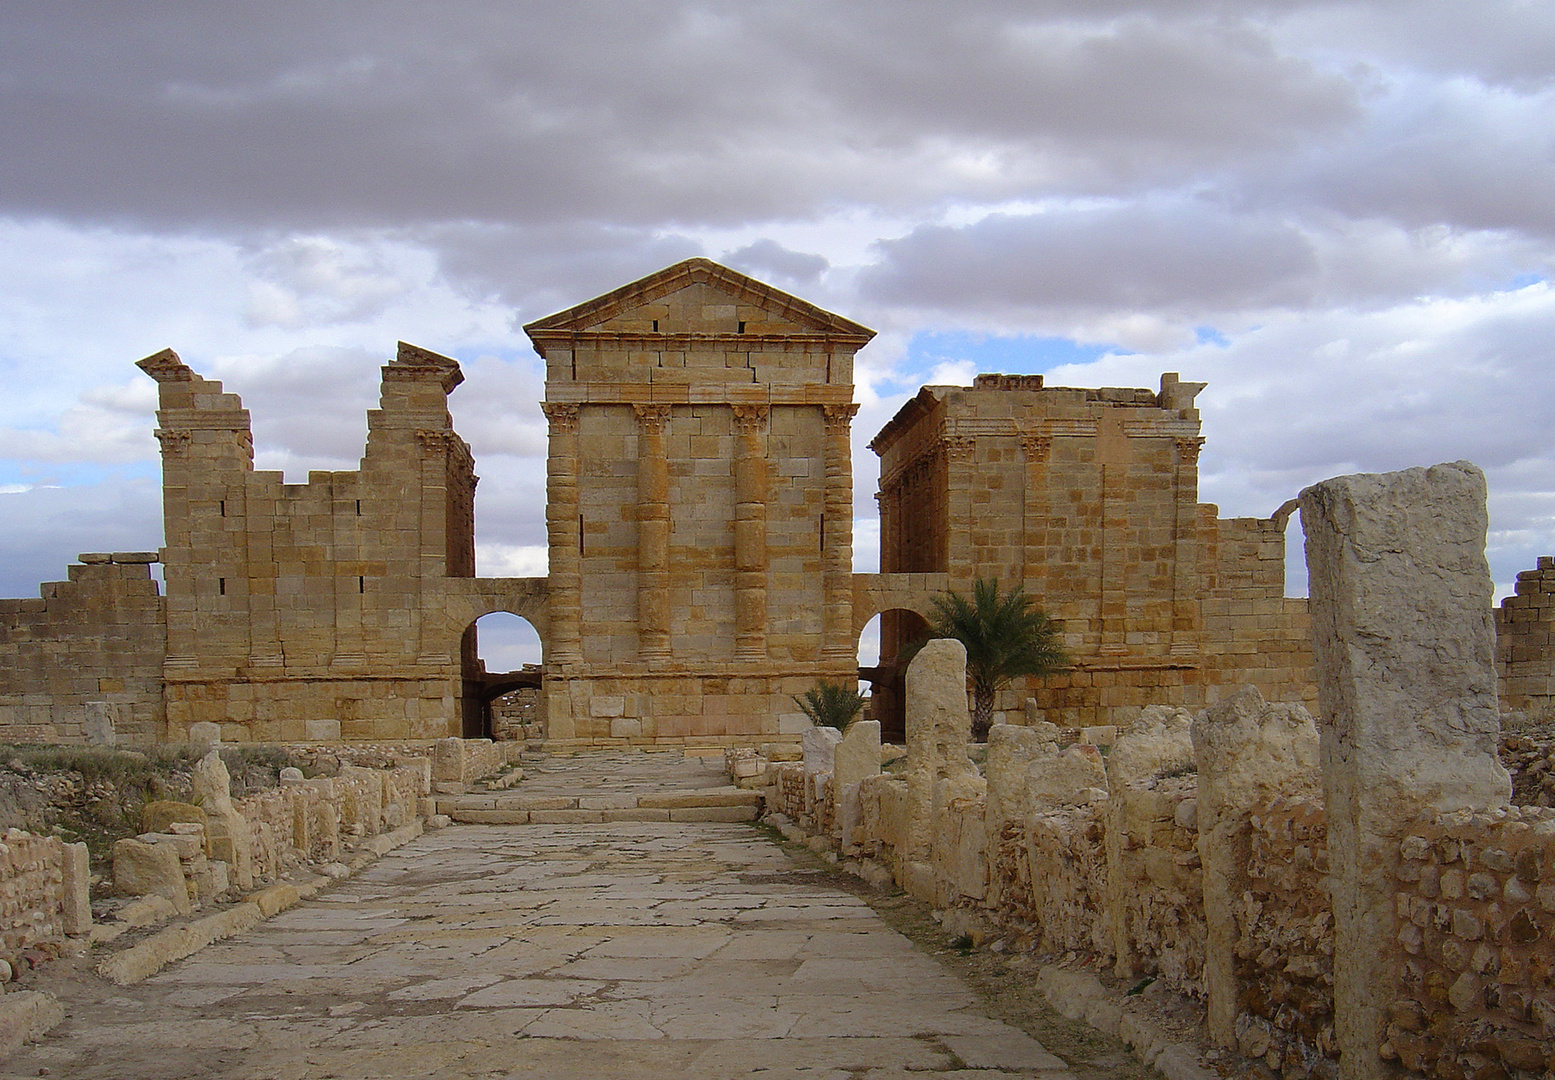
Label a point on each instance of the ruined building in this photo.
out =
(700, 529)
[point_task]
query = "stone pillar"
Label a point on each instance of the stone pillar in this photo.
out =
(857, 758)
(938, 728)
(1113, 601)
(1248, 752)
(750, 533)
(960, 455)
(888, 500)
(564, 535)
(837, 644)
(653, 534)
(1403, 645)
(1185, 563)
(1036, 449)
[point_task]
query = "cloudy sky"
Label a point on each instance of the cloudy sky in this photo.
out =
(1339, 215)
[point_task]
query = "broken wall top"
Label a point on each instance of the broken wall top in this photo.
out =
(1023, 405)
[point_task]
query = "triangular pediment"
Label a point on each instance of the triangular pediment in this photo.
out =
(697, 296)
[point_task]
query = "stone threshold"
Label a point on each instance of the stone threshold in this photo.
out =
(713, 804)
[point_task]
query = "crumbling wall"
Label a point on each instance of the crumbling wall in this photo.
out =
(1254, 635)
(1476, 896)
(1525, 641)
(83, 662)
(44, 885)
(1284, 946)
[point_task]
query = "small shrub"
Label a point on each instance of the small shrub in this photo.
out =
(830, 705)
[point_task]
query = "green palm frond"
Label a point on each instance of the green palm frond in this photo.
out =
(1006, 637)
(829, 705)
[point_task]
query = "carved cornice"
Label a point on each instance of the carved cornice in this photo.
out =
(165, 366)
(562, 418)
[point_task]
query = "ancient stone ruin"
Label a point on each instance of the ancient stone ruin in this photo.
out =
(700, 524)
(1353, 895)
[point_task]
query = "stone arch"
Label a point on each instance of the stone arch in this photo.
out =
(899, 628)
(482, 687)
(464, 602)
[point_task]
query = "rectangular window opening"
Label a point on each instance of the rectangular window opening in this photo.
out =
(580, 534)
(359, 508)
(655, 326)
(741, 330)
(221, 586)
(223, 505)
(361, 584)
(823, 534)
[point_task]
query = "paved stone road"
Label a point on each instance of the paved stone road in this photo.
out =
(634, 950)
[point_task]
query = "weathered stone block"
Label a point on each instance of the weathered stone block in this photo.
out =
(141, 869)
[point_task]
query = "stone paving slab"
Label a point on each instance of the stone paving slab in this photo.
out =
(697, 951)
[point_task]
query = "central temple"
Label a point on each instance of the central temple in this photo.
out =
(699, 506)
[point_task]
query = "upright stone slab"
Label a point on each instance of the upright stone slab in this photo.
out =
(820, 749)
(1404, 642)
(938, 728)
(1248, 751)
(227, 835)
(857, 757)
(77, 889)
(98, 724)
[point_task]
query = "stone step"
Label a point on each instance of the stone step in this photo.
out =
(706, 804)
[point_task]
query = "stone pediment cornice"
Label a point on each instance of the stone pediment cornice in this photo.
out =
(583, 321)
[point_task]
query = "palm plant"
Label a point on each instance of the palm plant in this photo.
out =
(829, 705)
(1006, 636)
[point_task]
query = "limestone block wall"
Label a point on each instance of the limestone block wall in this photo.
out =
(314, 611)
(1089, 499)
(1254, 634)
(1525, 640)
(83, 662)
(250, 842)
(699, 508)
(1061, 860)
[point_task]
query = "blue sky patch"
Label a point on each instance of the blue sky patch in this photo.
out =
(1021, 354)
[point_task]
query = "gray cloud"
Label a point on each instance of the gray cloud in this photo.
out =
(351, 115)
(1134, 256)
(774, 260)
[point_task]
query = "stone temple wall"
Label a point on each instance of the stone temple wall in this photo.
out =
(1088, 498)
(83, 662)
(314, 611)
(699, 508)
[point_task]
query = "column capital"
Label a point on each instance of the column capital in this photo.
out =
(1036, 447)
(563, 418)
(960, 448)
(651, 418)
(839, 418)
(175, 443)
(1188, 450)
(750, 419)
